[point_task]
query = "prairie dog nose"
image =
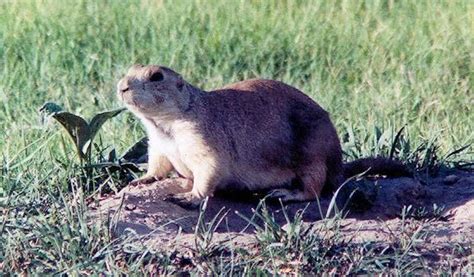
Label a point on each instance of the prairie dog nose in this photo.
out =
(123, 85)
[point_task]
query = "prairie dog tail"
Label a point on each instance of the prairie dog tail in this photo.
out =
(376, 166)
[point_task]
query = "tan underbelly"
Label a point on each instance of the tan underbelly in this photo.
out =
(180, 167)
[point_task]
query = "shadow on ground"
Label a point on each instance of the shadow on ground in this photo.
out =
(141, 209)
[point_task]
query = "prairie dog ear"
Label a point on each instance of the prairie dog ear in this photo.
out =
(135, 68)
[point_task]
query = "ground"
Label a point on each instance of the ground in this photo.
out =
(445, 220)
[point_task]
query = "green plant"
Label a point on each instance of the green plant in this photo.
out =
(424, 213)
(104, 169)
(81, 131)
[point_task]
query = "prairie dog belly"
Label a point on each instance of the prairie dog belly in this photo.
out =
(166, 145)
(169, 149)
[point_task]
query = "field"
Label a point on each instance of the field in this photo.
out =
(376, 66)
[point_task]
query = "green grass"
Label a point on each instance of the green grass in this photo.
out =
(376, 66)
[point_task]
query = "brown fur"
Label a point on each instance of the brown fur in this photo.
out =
(251, 135)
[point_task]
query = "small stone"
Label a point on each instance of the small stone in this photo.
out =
(130, 207)
(450, 179)
(140, 215)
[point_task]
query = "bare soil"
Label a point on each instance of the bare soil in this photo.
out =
(141, 210)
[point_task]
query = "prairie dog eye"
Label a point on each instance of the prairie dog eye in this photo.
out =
(156, 77)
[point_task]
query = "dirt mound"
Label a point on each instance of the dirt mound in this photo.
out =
(447, 200)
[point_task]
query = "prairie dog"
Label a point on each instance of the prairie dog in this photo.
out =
(251, 135)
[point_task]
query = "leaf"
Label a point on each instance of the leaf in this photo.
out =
(96, 123)
(112, 155)
(457, 151)
(76, 126)
(132, 167)
(136, 152)
(81, 132)
(50, 108)
(395, 143)
(99, 119)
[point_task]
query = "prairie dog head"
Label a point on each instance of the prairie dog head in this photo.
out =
(153, 91)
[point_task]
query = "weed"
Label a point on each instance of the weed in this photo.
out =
(81, 132)
(423, 213)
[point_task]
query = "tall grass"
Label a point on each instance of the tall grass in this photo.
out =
(376, 66)
(384, 63)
